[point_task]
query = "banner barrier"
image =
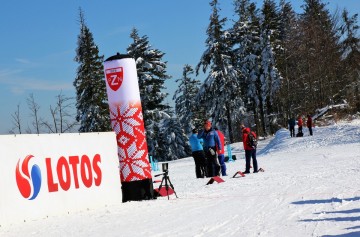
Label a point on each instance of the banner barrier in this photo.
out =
(53, 174)
(127, 122)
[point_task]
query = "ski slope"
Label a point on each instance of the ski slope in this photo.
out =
(310, 187)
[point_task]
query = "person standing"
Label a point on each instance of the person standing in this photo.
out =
(300, 124)
(221, 152)
(250, 151)
(291, 123)
(211, 141)
(309, 124)
(198, 154)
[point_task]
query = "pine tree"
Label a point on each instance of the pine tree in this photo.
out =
(269, 38)
(287, 62)
(174, 143)
(271, 21)
(222, 81)
(241, 10)
(351, 59)
(187, 109)
(91, 100)
(252, 34)
(244, 35)
(269, 82)
(319, 57)
(246, 39)
(152, 74)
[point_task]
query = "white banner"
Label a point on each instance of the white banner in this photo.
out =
(52, 174)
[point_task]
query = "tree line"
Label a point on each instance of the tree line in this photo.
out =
(262, 67)
(269, 64)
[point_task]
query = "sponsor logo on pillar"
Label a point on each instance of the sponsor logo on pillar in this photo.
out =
(127, 119)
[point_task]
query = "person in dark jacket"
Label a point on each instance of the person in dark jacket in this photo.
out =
(309, 124)
(211, 141)
(198, 154)
(292, 123)
(250, 152)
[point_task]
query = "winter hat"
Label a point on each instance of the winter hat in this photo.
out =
(207, 122)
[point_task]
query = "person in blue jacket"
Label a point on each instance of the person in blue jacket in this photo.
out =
(211, 141)
(198, 154)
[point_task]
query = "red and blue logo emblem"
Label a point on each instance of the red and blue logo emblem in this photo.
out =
(29, 183)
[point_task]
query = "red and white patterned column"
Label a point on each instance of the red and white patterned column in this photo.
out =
(127, 122)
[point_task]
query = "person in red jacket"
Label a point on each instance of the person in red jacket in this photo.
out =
(250, 152)
(309, 124)
(300, 124)
(221, 152)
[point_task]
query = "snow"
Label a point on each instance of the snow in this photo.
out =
(310, 187)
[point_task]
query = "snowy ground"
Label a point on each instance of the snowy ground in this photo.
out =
(310, 187)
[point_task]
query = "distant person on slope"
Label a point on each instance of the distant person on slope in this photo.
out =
(221, 152)
(292, 123)
(300, 124)
(211, 141)
(198, 154)
(250, 149)
(309, 124)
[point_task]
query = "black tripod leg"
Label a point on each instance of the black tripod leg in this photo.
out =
(166, 187)
(161, 184)
(172, 187)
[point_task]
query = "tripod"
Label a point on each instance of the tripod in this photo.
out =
(167, 179)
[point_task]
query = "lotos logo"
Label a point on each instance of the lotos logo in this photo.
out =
(61, 174)
(28, 183)
(114, 77)
(73, 171)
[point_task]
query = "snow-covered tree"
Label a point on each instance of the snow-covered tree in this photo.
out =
(245, 35)
(269, 82)
(254, 50)
(174, 142)
(222, 81)
(242, 11)
(91, 99)
(151, 70)
(287, 61)
(187, 109)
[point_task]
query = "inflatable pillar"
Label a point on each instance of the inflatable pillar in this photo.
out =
(127, 122)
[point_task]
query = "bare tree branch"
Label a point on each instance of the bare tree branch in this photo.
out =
(34, 108)
(62, 119)
(16, 121)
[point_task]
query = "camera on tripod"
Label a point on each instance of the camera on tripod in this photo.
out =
(166, 188)
(165, 167)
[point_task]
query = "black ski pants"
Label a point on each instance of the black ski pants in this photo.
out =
(248, 155)
(212, 162)
(200, 163)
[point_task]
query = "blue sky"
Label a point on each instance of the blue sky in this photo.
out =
(39, 38)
